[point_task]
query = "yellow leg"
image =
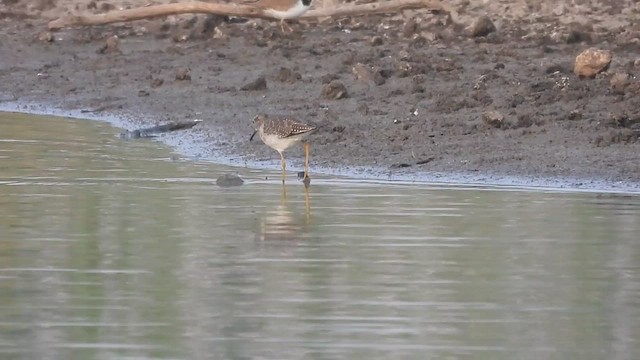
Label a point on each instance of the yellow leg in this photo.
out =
(283, 162)
(283, 195)
(306, 161)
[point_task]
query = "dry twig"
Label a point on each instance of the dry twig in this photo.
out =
(237, 10)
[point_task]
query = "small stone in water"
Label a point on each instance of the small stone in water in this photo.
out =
(228, 180)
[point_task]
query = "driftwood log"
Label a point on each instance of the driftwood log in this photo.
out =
(192, 7)
(159, 129)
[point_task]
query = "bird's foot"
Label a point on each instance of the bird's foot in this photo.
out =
(285, 27)
(306, 180)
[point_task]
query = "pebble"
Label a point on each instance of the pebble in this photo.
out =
(410, 27)
(334, 90)
(376, 41)
(256, 85)
(45, 36)
(111, 45)
(287, 75)
(619, 82)
(183, 74)
(229, 180)
(368, 74)
(493, 118)
(482, 26)
(157, 82)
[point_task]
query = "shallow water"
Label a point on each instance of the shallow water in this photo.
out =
(120, 249)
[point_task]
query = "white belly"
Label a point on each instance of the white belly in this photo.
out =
(294, 12)
(279, 144)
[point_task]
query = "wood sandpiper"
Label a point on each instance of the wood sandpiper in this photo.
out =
(280, 133)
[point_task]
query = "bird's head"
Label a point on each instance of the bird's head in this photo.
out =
(258, 120)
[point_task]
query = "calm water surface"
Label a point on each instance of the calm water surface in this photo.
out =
(114, 249)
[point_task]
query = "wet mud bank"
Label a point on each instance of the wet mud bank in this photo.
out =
(492, 100)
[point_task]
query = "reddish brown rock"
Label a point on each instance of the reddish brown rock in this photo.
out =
(493, 118)
(111, 45)
(592, 62)
(45, 36)
(183, 74)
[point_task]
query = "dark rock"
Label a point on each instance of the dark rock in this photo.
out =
(400, 165)
(155, 83)
(229, 180)
(396, 92)
(447, 66)
(410, 27)
(327, 78)
(158, 129)
(368, 74)
(106, 7)
(287, 75)
(524, 121)
(482, 26)
(417, 79)
(211, 23)
(174, 50)
(363, 108)
(334, 90)
(515, 100)
(256, 85)
(376, 41)
(191, 22)
(379, 78)
(425, 161)
(181, 35)
(619, 82)
(418, 41)
(403, 69)
(403, 55)
(575, 115)
(576, 36)
(417, 89)
(555, 68)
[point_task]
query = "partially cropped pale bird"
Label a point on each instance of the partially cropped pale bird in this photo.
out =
(281, 9)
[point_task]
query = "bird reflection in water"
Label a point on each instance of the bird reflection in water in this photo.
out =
(285, 222)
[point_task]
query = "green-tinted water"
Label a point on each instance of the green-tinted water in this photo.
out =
(110, 249)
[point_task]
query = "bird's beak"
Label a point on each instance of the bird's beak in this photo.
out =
(252, 135)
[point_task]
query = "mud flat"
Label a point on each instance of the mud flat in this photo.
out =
(409, 97)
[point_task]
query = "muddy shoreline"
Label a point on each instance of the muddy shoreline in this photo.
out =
(185, 144)
(415, 94)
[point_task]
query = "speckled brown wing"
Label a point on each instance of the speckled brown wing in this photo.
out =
(285, 127)
(297, 128)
